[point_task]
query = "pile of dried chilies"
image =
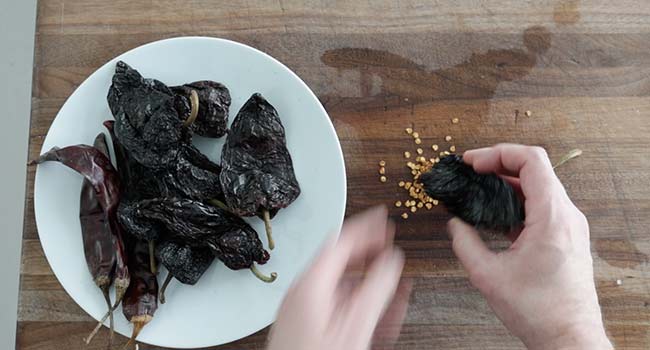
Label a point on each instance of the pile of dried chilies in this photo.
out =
(164, 201)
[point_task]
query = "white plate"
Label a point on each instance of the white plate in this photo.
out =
(224, 305)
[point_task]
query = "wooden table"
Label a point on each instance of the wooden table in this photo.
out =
(581, 68)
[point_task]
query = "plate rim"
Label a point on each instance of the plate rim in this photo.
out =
(339, 154)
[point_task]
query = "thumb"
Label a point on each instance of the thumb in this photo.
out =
(470, 249)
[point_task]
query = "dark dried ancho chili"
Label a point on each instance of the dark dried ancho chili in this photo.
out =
(483, 200)
(141, 298)
(98, 241)
(257, 175)
(214, 103)
(228, 236)
(146, 120)
(184, 263)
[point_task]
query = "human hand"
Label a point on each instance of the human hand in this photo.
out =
(339, 302)
(542, 287)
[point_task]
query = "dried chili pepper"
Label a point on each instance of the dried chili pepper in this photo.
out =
(214, 103)
(95, 167)
(184, 263)
(146, 121)
(257, 175)
(196, 224)
(98, 241)
(483, 200)
(141, 298)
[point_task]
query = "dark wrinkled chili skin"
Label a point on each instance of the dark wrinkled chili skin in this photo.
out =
(98, 170)
(146, 120)
(257, 171)
(228, 236)
(483, 200)
(187, 264)
(214, 103)
(141, 298)
(99, 247)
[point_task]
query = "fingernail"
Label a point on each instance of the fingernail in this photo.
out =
(453, 222)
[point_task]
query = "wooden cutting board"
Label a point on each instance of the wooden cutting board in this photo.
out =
(580, 67)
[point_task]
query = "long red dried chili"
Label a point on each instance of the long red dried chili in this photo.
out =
(95, 167)
(141, 299)
(98, 242)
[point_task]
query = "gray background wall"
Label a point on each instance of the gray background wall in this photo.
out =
(17, 25)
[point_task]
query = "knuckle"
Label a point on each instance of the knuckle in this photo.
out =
(537, 153)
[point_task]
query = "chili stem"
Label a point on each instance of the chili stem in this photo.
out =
(194, 102)
(269, 230)
(572, 154)
(152, 257)
(217, 203)
(107, 297)
(161, 295)
(137, 327)
(263, 277)
(101, 323)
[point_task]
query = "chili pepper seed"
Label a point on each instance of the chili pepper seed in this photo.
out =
(382, 163)
(455, 120)
(382, 170)
(401, 184)
(447, 138)
(409, 131)
(452, 148)
(413, 209)
(383, 179)
(434, 147)
(398, 204)
(416, 135)
(418, 141)
(420, 151)
(405, 216)
(407, 154)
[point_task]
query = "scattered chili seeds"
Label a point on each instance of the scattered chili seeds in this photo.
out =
(455, 120)
(418, 199)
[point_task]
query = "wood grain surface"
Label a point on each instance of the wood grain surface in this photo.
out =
(582, 68)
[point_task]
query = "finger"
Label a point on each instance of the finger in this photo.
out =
(390, 325)
(362, 235)
(375, 294)
(530, 164)
(470, 249)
